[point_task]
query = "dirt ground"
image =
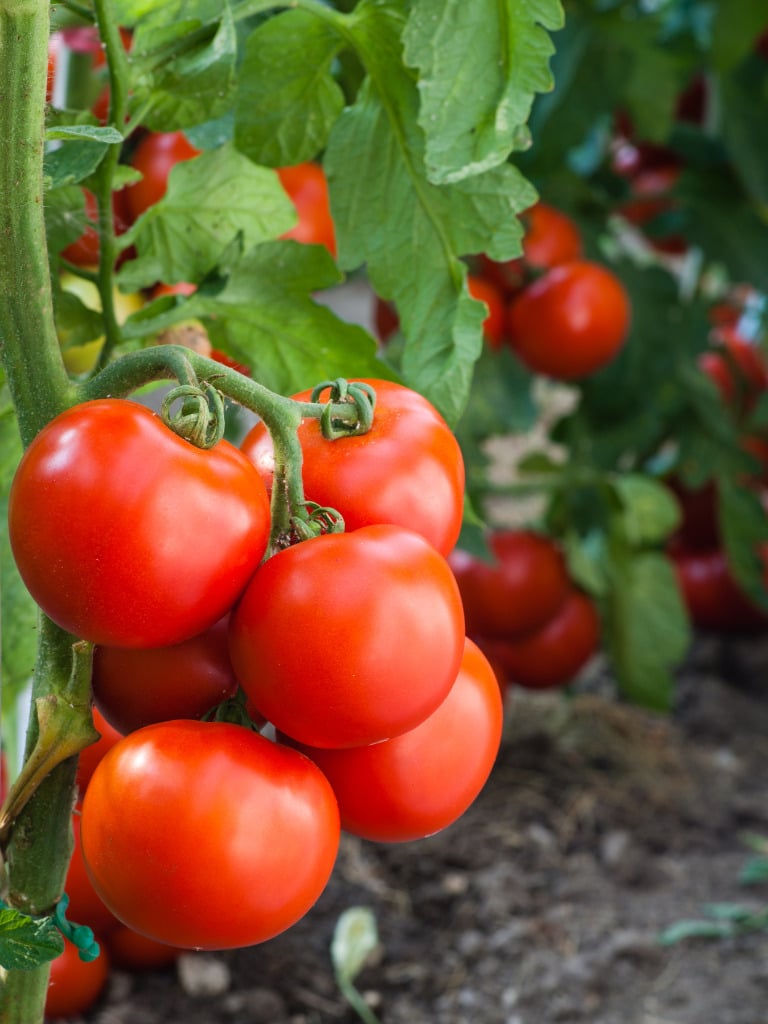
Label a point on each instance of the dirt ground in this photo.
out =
(600, 827)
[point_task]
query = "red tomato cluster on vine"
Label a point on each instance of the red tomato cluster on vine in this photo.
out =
(562, 315)
(352, 645)
(714, 598)
(524, 611)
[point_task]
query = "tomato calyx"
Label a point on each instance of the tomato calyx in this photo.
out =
(357, 393)
(201, 419)
(235, 711)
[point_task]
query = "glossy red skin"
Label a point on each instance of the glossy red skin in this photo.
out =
(307, 187)
(155, 156)
(554, 655)
(133, 952)
(407, 470)
(137, 687)
(521, 591)
(206, 835)
(418, 783)
(74, 985)
(91, 755)
(160, 539)
(85, 905)
(349, 638)
(712, 596)
(571, 322)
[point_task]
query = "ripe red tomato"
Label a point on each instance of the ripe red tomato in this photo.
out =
(519, 592)
(307, 187)
(737, 367)
(85, 905)
(74, 984)
(554, 654)
(155, 156)
(131, 951)
(699, 528)
(571, 322)
(91, 755)
(84, 251)
(407, 470)
(711, 594)
(551, 238)
(136, 687)
(416, 784)
(207, 835)
(160, 539)
(349, 638)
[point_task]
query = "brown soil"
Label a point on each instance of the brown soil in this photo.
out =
(600, 826)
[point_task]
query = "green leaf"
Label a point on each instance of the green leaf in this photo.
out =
(409, 232)
(744, 530)
(27, 942)
(479, 65)
(648, 631)
(650, 510)
(192, 73)
(754, 871)
(682, 930)
(266, 317)
(355, 937)
(73, 162)
(211, 199)
(743, 96)
(737, 23)
(87, 132)
(65, 216)
(287, 98)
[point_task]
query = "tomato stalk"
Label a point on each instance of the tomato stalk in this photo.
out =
(39, 847)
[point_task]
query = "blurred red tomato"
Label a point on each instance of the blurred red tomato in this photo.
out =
(712, 596)
(155, 156)
(74, 984)
(307, 187)
(131, 951)
(90, 756)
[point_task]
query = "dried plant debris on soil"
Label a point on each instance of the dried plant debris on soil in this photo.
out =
(600, 827)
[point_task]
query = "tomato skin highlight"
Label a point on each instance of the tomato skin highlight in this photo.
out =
(348, 639)
(554, 654)
(74, 984)
(407, 470)
(571, 322)
(207, 835)
(517, 594)
(418, 783)
(161, 536)
(134, 687)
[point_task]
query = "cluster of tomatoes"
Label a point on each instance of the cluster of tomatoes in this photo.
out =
(538, 629)
(564, 316)
(197, 830)
(737, 367)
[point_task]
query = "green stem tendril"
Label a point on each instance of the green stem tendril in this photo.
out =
(79, 935)
(362, 396)
(201, 419)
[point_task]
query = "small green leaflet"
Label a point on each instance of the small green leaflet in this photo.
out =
(354, 939)
(650, 511)
(211, 199)
(27, 942)
(287, 99)
(480, 65)
(86, 132)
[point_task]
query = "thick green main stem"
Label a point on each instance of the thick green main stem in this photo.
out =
(28, 345)
(39, 849)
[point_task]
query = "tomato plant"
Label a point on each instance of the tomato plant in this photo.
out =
(155, 157)
(375, 614)
(206, 835)
(114, 471)
(413, 785)
(406, 470)
(136, 687)
(556, 652)
(571, 322)
(307, 187)
(520, 590)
